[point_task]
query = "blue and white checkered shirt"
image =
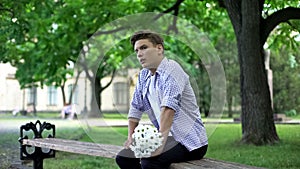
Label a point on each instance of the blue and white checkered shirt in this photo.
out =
(174, 90)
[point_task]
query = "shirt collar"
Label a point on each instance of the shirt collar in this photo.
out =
(160, 68)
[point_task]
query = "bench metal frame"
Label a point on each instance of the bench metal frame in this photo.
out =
(38, 154)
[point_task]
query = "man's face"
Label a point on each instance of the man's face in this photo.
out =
(148, 54)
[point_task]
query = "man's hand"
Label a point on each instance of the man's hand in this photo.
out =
(128, 143)
(132, 124)
(157, 151)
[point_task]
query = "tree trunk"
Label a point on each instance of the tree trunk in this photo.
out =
(34, 100)
(74, 87)
(96, 98)
(62, 88)
(257, 116)
(230, 112)
(98, 90)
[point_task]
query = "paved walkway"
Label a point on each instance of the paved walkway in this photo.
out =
(14, 124)
(121, 123)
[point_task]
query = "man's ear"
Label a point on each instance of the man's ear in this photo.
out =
(160, 48)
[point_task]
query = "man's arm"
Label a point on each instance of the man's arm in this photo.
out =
(132, 123)
(166, 121)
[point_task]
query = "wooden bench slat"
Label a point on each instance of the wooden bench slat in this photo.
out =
(89, 145)
(219, 164)
(210, 164)
(183, 166)
(72, 146)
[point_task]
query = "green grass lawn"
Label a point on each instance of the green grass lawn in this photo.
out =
(223, 144)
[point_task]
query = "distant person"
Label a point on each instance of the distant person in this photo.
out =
(164, 92)
(68, 111)
(15, 111)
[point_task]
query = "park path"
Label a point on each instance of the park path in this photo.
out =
(14, 124)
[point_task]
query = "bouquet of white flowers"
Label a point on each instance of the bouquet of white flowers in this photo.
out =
(146, 139)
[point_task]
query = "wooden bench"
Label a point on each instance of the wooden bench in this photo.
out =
(93, 149)
(280, 117)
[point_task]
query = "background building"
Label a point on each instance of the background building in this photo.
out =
(49, 98)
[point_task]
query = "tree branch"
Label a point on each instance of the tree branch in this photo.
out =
(276, 18)
(111, 79)
(74, 87)
(233, 8)
(83, 63)
(175, 7)
(293, 26)
(176, 12)
(110, 31)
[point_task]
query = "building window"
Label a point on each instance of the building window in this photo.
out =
(32, 96)
(120, 91)
(74, 95)
(52, 95)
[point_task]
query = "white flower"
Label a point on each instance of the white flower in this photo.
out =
(146, 139)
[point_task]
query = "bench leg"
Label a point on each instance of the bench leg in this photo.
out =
(38, 163)
(37, 155)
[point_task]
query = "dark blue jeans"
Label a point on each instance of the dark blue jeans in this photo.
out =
(174, 153)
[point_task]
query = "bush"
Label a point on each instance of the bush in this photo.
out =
(291, 112)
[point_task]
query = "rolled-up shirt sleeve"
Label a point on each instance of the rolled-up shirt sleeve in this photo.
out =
(137, 107)
(172, 94)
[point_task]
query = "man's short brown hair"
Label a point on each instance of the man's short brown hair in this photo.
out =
(147, 34)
